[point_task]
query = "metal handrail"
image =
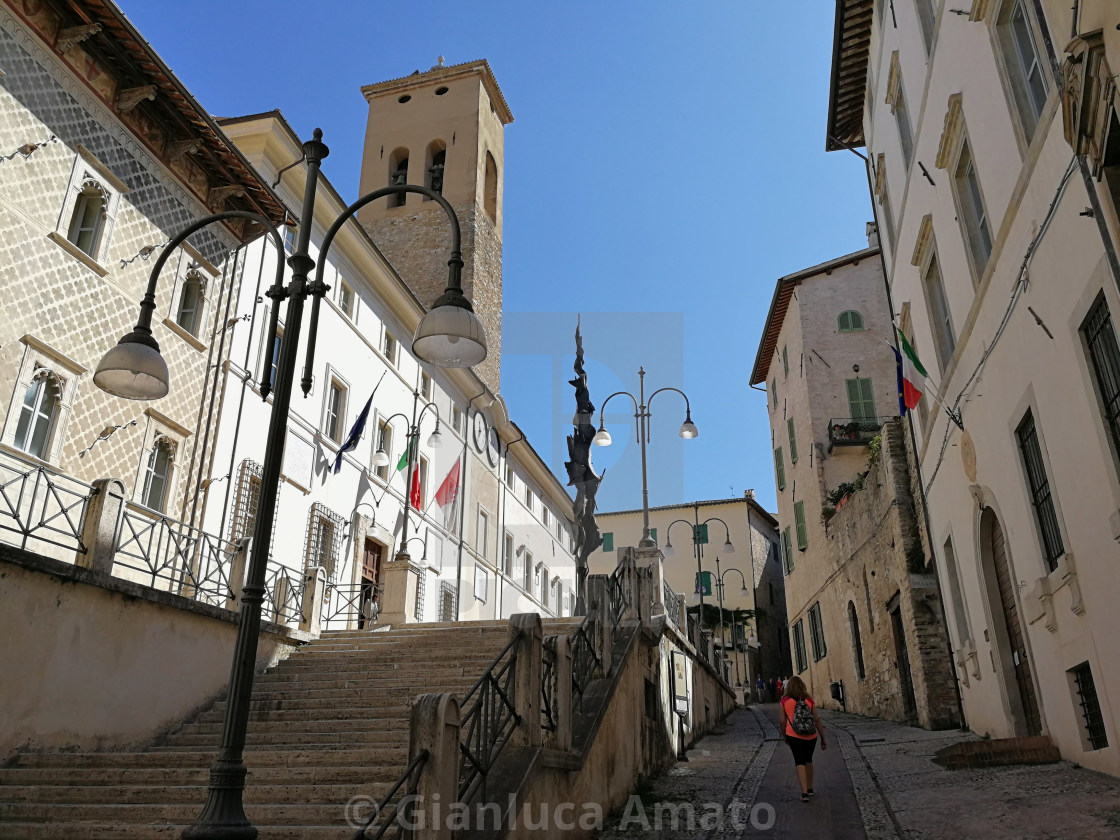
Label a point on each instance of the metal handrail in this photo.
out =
(548, 684)
(411, 778)
(585, 659)
(37, 504)
(489, 721)
(346, 603)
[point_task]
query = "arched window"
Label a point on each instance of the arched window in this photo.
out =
(398, 175)
(189, 315)
(857, 642)
(37, 415)
(437, 159)
(490, 196)
(156, 475)
(850, 321)
(89, 214)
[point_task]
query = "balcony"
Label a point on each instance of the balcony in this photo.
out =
(853, 431)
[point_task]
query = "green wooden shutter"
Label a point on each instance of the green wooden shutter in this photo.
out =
(780, 468)
(608, 541)
(653, 534)
(792, 441)
(799, 520)
(785, 361)
(787, 551)
(774, 391)
(861, 398)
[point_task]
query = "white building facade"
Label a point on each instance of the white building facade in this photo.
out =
(994, 148)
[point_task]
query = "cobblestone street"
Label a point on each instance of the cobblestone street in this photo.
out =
(876, 781)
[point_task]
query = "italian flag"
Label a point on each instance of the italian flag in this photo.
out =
(911, 374)
(415, 495)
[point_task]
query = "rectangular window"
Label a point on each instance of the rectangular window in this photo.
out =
(787, 551)
(482, 537)
(774, 393)
(156, 475)
(792, 441)
(481, 584)
(508, 554)
(800, 662)
(779, 468)
(291, 232)
(456, 418)
(861, 398)
(799, 521)
(928, 21)
(189, 313)
(1100, 339)
(529, 497)
(902, 119)
(974, 218)
(546, 516)
(336, 410)
(938, 304)
(389, 347)
(785, 361)
(509, 476)
(425, 386)
(1024, 66)
(885, 215)
(1085, 693)
(543, 575)
(527, 572)
(86, 223)
(816, 632)
(1041, 498)
(346, 299)
(608, 541)
(384, 444)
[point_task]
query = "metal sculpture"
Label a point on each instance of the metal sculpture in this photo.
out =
(581, 475)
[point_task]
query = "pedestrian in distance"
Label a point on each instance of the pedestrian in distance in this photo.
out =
(801, 726)
(761, 687)
(778, 689)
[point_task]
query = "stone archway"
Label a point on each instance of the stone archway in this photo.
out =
(1013, 661)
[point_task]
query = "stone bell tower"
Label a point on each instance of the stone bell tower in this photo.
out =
(441, 129)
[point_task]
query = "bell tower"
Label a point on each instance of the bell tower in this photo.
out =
(442, 129)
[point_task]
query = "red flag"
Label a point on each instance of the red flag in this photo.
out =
(448, 493)
(415, 497)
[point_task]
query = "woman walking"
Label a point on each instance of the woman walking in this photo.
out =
(801, 726)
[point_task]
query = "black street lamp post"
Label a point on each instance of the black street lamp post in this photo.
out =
(449, 335)
(719, 590)
(642, 418)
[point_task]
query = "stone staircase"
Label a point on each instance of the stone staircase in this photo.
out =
(329, 723)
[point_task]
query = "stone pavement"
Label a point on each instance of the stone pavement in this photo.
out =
(875, 782)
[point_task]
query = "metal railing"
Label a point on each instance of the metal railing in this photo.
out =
(173, 557)
(397, 806)
(40, 505)
(548, 684)
(283, 593)
(585, 659)
(853, 431)
(489, 719)
(350, 607)
(622, 586)
(674, 603)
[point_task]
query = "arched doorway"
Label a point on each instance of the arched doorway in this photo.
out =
(1010, 638)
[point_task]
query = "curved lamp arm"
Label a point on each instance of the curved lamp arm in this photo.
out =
(670, 528)
(142, 332)
(649, 403)
(317, 288)
(420, 416)
(637, 409)
(733, 569)
(726, 530)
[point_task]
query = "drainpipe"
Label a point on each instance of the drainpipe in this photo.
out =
(463, 502)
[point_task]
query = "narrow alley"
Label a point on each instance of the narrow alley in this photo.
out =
(876, 781)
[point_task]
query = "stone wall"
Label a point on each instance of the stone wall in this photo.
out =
(879, 567)
(101, 662)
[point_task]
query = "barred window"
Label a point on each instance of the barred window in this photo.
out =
(421, 586)
(1104, 353)
(816, 632)
(446, 601)
(324, 538)
(1092, 720)
(1041, 498)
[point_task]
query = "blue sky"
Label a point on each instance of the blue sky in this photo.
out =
(665, 166)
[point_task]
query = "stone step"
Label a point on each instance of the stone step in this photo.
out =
(316, 709)
(141, 831)
(284, 740)
(179, 813)
(359, 695)
(254, 757)
(265, 794)
(367, 659)
(385, 767)
(366, 729)
(420, 628)
(391, 677)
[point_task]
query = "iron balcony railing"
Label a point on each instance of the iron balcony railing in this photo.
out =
(40, 506)
(853, 431)
(586, 661)
(674, 603)
(351, 607)
(548, 684)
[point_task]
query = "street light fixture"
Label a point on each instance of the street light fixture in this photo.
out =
(450, 335)
(719, 590)
(642, 418)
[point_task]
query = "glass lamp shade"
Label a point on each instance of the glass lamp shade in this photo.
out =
(602, 438)
(435, 439)
(728, 548)
(668, 550)
(744, 591)
(450, 336)
(133, 369)
(688, 429)
(381, 458)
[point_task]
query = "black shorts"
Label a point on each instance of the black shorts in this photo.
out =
(802, 749)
